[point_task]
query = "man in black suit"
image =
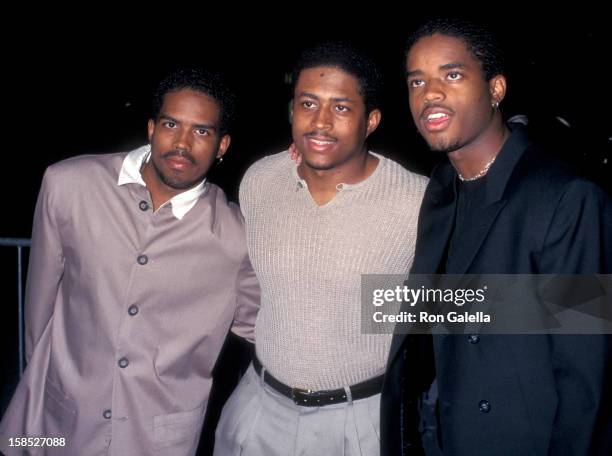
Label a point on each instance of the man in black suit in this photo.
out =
(497, 206)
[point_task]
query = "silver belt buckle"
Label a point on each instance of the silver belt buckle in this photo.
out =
(300, 396)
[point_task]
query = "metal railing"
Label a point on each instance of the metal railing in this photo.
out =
(19, 243)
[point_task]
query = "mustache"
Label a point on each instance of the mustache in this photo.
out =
(179, 153)
(430, 106)
(320, 134)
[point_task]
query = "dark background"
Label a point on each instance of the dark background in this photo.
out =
(86, 88)
(82, 85)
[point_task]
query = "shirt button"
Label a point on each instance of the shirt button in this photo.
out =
(142, 259)
(143, 205)
(107, 414)
(484, 406)
(133, 310)
(474, 338)
(123, 363)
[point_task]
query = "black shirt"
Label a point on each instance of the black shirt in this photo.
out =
(470, 203)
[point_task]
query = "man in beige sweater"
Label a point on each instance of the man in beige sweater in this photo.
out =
(312, 231)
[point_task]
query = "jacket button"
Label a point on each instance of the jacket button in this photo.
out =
(484, 406)
(133, 310)
(142, 259)
(107, 414)
(474, 338)
(143, 205)
(123, 363)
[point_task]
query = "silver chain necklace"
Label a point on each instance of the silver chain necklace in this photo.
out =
(479, 174)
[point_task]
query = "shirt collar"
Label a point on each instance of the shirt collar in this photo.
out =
(130, 174)
(301, 183)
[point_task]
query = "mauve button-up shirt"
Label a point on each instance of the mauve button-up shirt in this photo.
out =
(126, 312)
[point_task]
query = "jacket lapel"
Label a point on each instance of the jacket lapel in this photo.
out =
(471, 241)
(436, 221)
(498, 177)
(435, 226)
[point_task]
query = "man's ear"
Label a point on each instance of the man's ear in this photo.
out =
(150, 129)
(373, 121)
(497, 88)
(223, 145)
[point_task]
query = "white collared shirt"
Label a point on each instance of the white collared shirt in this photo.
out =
(130, 174)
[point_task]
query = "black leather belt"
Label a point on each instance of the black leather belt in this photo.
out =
(309, 398)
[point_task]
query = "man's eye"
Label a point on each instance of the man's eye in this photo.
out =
(202, 132)
(415, 83)
(454, 76)
(169, 124)
(308, 104)
(341, 108)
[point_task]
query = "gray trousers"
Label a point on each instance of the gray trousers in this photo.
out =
(258, 421)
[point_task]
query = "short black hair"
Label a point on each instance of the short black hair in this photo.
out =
(480, 41)
(348, 58)
(208, 82)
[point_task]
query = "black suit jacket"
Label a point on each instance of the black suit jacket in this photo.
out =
(546, 394)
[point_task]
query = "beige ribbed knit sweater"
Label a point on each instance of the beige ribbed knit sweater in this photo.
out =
(309, 260)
